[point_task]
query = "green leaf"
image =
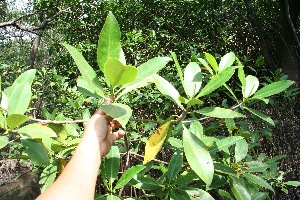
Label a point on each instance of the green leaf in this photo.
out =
(192, 79)
(15, 120)
(89, 89)
(251, 85)
(109, 45)
(179, 71)
(167, 89)
(4, 140)
(258, 181)
(87, 72)
(128, 175)
(273, 88)
(219, 112)
(196, 193)
(219, 167)
(241, 150)
(2, 120)
(185, 178)
(198, 156)
(118, 74)
(178, 194)
(260, 115)
(140, 84)
(226, 61)
(256, 166)
(241, 75)
(144, 182)
(217, 81)
(35, 151)
(222, 145)
(25, 77)
(150, 67)
(145, 73)
(112, 165)
(197, 129)
(19, 99)
(225, 195)
(48, 176)
(292, 183)
(204, 63)
(194, 102)
(175, 142)
(108, 197)
(212, 61)
(37, 131)
(119, 112)
(239, 191)
(175, 165)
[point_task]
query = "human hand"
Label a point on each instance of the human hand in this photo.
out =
(99, 127)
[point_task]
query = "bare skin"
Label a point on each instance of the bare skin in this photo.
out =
(78, 180)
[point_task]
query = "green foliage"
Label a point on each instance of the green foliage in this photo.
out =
(208, 159)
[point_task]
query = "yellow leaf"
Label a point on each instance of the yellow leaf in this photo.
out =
(155, 142)
(62, 165)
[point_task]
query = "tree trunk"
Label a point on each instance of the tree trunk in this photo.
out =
(251, 12)
(35, 46)
(287, 42)
(26, 187)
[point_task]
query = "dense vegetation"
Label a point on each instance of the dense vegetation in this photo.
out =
(205, 111)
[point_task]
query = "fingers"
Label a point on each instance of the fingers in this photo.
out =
(99, 111)
(116, 135)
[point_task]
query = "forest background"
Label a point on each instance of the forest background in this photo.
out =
(264, 35)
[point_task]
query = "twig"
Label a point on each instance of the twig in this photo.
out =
(155, 160)
(41, 121)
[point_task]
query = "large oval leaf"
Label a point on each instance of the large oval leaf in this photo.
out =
(239, 191)
(175, 164)
(251, 85)
(37, 131)
(19, 99)
(87, 72)
(118, 74)
(226, 61)
(128, 175)
(109, 45)
(35, 151)
(15, 120)
(212, 61)
(217, 81)
(198, 156)
(167, 89)
(261, 115)
(258, 181)
(119, 112)
(155, 142)
(4, 140)
(241, 150)
(219, 112)
(89, 89)
(222, 145)
(192, 79)
(271, 89)
(144, 182)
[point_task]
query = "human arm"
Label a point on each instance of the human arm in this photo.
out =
(78, 180)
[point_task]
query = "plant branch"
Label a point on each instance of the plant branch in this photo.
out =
(155, 160)
(33, 29)
(41, 121)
